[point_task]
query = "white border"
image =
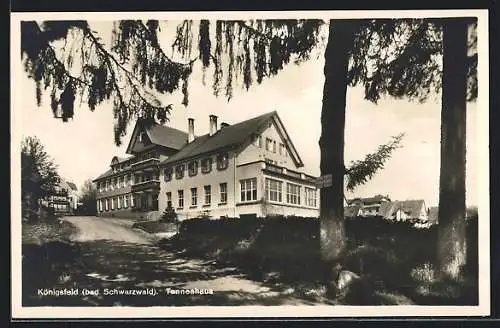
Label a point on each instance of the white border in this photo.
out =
(20, 312)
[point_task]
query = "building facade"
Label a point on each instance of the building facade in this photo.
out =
(382, 206)
(63, 200)
(249, 168)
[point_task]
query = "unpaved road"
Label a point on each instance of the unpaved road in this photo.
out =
(96, 228)
(113, 256)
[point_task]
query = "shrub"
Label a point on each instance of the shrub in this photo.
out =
(169, 215)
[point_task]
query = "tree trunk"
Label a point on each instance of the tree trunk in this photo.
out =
(332, 234)
(451, 227)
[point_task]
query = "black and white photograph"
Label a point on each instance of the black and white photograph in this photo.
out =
(239, 164)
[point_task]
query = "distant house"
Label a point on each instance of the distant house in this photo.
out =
(72, 195)
(63, 200)
(367, 206)
(382, 206)
(404, 210)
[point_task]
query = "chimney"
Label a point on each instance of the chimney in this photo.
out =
(213, 124)
(190, 130)
(223, 125)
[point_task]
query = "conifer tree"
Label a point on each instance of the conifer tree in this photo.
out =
(395, 57)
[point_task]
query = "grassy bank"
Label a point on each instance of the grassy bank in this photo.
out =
(48, 255)
(390, 257)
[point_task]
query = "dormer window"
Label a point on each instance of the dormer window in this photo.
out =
(222, 161)
(206, 165)
(168, 174)
(142, 137)
(193, 168)
(179, 171)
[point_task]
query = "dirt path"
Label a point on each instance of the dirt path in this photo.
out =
(95, 228)
(113, 256)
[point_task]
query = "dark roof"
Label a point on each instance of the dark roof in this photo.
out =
(72, 185)
(161, 135)
(229, 136)
(166, 136)
(369, 200)
(105, 174)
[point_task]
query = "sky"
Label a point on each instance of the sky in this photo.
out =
(83, 147)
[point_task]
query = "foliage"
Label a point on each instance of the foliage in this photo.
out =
(87, 70)
(385, 252)
(169, 215)
(39, 176)
(398, 57)
(88, 198)
(359, 172)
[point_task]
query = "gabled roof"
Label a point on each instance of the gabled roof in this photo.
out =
(232, 136)
(387, 209)
(159, 135)
(72, 185)
(118, 160)
(167, 136)
(411, 207)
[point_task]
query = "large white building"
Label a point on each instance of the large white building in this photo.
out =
(249, 168)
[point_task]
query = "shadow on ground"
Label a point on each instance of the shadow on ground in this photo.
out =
(113, 265)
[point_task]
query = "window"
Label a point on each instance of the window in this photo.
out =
(310, 197)
(112, 203)
(156, 176)
(274, 146)
(208, 194)
(193, 168)
(132, 200)
(222, 161)
(256, 139)
(179, 171)
(248, 189)
(292, 193)
(125, 201)
(194, 197)
(273, 190)
(206, 165)
(169, 199)
(122, 182)
(260, 141)
(168, 174)
(268, 143)
(282, 149)
(180, 195)
(115, 183)
(223, 192)
(126, 180)
(119, 202)
(142, 137)
(100, 205)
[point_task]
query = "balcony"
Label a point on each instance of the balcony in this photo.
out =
(149, 164)
(146, 186)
